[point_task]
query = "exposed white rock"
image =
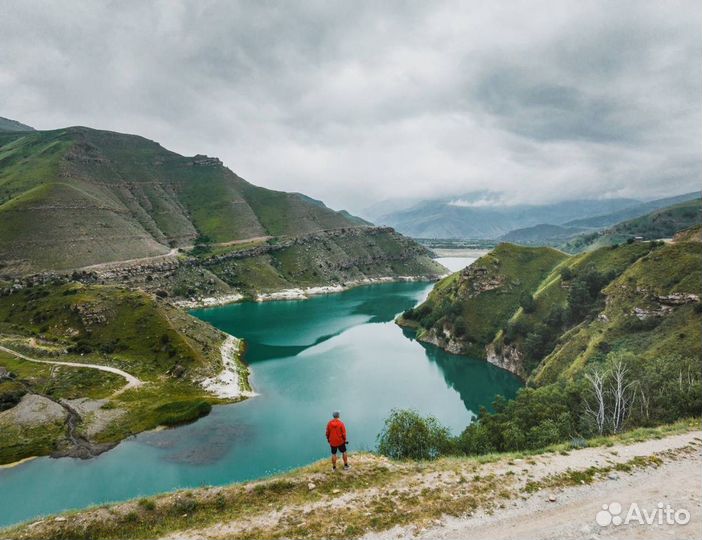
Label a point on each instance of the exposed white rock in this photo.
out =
(227, 384)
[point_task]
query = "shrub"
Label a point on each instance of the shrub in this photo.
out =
(407, 435)
(527, 302)
(476, 439)
(147, 504)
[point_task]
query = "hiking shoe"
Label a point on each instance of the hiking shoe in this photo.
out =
(334, 468)
(347, 467)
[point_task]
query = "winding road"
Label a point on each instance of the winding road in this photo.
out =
(132, 381)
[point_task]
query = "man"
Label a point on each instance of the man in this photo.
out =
(336, 436)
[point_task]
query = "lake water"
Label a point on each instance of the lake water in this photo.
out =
(340, 351)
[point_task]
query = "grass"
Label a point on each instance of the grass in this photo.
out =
(168, 349)
(509, 271)
(662, 223)
(375, 495)
(664, 270)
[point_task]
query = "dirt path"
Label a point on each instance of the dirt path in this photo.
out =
(242, 241)
(132, 381)
(572, 514)
(127, 262)
(667, 470)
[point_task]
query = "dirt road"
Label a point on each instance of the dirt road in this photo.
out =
(572, 514)
(132, 381)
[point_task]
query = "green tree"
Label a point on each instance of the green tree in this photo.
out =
(527, 302)
(407, 435)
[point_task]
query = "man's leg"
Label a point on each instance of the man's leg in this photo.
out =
(334, 460)
(346, 461)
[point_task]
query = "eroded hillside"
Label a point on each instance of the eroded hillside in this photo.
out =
(78, 197)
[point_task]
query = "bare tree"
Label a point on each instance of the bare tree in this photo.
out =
(623, 394)
(597, 410)
(613, 397)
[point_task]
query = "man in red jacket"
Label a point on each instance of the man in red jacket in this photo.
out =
(336, 435)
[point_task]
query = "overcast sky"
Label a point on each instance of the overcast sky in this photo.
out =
(354, 102)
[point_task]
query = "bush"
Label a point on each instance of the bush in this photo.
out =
(407, 435)
(527, 302)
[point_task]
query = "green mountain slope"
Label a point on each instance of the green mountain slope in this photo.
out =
(545, 315)
(652, 309)
(6, 124)
(541, 235)
(630, 212)
(465, 310)
(77, 196)
(169, 351)
(662, 223)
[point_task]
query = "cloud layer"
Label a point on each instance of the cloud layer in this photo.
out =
(354, 102)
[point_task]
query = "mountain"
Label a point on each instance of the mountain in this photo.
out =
(608, 340)
(484, 218)
(544, 315)
(78, 197)
(662, 223)
(578, 234)
(607, 220)
(541, 235)
(7, 125)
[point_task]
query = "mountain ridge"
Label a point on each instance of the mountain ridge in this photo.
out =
(106, 197)
(484, 217)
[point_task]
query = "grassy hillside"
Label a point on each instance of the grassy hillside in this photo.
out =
(541, 235)
(630, 212)
(627, 316)
(663, 223)
(169, 351)
(651, 309)
(6, 124)
(545, 315)
(466, 310)
(77, 196)
(389, 498)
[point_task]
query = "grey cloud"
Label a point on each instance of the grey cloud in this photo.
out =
(356, 102)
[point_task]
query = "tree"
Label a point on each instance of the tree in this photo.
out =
(527, 302)
(596, 411)
(623, 395)
(407, 435)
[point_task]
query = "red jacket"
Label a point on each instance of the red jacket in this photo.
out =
(336, 432)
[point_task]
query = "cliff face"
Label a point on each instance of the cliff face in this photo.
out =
(327, 258)
(509, 357)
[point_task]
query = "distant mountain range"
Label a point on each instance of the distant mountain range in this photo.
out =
(478, 216)
(680, 212)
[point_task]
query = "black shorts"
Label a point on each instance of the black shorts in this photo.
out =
(341, 449)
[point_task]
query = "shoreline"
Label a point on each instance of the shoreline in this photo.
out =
(298, 293)
(18, 463)
(231, 382)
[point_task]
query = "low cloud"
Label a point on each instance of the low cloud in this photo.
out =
(358, 102)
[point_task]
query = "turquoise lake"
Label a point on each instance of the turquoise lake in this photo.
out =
(340, 351)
